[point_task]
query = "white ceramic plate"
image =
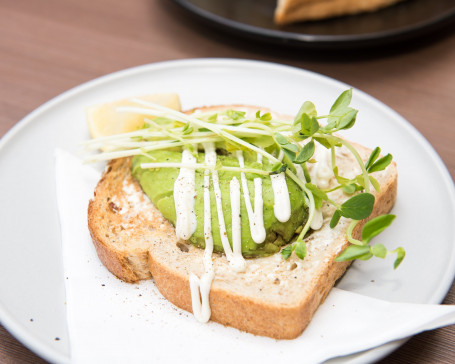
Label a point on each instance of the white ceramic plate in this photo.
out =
(32, 297)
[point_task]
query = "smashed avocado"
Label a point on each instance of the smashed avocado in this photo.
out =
(158, 184)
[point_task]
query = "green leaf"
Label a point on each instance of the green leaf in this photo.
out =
(381, 164)
(300, 249)
(353, 252)
(366, 256)
(187, 129)
(373, 156)
(266, 117)
(358, 207)
(348, 189)
(292, 147)
(286, 252)
(342, 101)
(400, 256)
(317, 202)
(347, 121)
(316, 191)
(280, 139)
(235, 115)
(289, 156)
(357, 187)
(331, 123)
(277, 166)
(323, 142)
(335, 219)
(360, 180)
(307, 108)
(375, 226)
(309, 125)
(305, 153)
(379, 251)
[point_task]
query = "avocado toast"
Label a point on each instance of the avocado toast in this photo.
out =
(271, 294)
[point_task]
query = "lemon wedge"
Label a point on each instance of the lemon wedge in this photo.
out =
(104, 119)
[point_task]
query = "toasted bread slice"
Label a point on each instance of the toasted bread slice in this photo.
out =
(273, 297)
(291, 11)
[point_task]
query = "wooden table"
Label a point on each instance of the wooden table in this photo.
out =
(49, 46)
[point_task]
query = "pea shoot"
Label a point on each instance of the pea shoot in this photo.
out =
(285, 144)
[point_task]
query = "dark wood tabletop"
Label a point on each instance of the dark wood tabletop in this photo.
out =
(49, 46)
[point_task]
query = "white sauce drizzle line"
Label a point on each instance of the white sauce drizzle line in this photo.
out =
(321, 173)
(237, 265)
(256, 217)
(282, 200)
(234, 191)
(210, 159)
(184, 197)
(201, 307)
(200, 288)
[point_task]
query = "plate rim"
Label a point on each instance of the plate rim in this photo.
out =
(49, 353)
(316, 41)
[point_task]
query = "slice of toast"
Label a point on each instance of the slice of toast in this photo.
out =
(291, 11)
(273, 297)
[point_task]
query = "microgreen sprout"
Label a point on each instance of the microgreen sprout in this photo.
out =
(361, 249)
(286, 144)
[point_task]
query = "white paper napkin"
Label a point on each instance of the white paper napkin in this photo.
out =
(114, 322)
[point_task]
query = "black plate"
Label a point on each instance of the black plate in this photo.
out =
(254, 19)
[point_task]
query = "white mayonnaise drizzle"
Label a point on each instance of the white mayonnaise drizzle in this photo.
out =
(201, 306)
(318, 218)
(256, 217)
(210, 159)
(238, 262)
(321, 171)
(184, 197)
(282, 200)
(200, 288)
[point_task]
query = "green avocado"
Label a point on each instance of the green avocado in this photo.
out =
(158, 184)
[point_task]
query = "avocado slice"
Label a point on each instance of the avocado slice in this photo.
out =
(158, 184)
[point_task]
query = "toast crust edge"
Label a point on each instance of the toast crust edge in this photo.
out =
(119, 263)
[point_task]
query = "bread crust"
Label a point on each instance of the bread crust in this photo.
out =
(128, 264)
(134, 242)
